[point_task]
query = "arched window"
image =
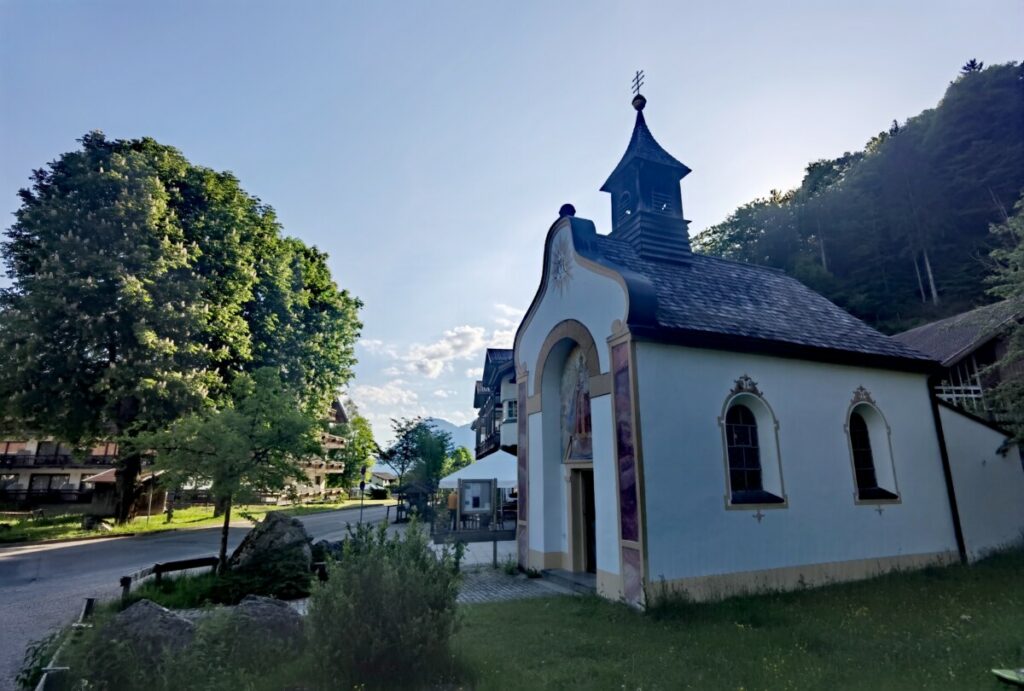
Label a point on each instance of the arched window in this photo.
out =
(744, 453)
(868, 447)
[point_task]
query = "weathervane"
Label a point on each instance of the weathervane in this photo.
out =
(638, 81)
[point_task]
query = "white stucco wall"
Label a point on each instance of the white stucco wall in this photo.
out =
(590, 298)
(509, 391)
(989, 485)
(689, 530)
(596, 301)
(606, 496)
(547, 507)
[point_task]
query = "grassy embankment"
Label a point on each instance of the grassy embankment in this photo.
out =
(69, 526)
(939, 628)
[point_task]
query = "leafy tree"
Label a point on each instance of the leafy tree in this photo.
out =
(360, 448)
(253, 444)
(434, 447)
(419, 451)
(896, 233)
(401, 456)
(460, 458)
(972, 65)
(1008, 283)
(141, 285)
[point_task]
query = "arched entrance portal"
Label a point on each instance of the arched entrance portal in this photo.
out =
(568, 361)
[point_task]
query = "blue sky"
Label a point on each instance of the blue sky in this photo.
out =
(427, 146)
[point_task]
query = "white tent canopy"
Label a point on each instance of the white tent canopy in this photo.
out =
(499, 465)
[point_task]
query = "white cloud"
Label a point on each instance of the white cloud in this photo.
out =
(460, 343)
(508, 310)
(510, 316)
(391, 371)
(376, 347)
(475, 372)
(502, 339)
(393, 393)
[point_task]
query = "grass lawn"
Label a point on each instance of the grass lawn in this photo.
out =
(69, 526)
(939, 628)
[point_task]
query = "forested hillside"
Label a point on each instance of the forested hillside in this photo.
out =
(898, 233)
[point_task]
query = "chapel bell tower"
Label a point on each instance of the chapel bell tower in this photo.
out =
(647, 207)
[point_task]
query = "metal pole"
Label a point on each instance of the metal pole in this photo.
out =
(362, 495)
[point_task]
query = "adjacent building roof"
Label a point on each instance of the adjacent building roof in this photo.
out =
(717, 303)
(954, 338)
(496, 360)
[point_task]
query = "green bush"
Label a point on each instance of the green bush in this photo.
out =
(387, 614)
(223, 656)
(380, 493)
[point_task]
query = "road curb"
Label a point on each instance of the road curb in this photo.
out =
(59, 540)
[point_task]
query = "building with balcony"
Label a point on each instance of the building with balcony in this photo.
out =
(495, 399)
(967, 346)
(42, 471)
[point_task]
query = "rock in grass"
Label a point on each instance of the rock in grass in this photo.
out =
(150, 630)
(275, 537)
(269, 619)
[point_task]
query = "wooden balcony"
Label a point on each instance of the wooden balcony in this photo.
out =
(15, 460)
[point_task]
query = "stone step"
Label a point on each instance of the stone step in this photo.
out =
(582, 583)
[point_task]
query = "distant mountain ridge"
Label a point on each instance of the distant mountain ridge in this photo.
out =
(461, 435)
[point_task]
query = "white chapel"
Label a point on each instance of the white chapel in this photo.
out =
(693, 424)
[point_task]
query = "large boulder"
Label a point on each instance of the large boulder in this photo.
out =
(324, 549)
(269, 620)
(150, 630)
(276, 537)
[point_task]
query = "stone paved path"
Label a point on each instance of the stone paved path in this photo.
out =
(484, 584)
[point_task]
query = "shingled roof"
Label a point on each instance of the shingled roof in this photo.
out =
(950, 340)
(716, 303)
(643, 146)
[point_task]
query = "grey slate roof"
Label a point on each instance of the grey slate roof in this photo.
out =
(716, 303)
(950, 340)
(643, 145)
(496, 361)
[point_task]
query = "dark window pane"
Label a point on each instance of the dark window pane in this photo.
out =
(863, 460)
(742, 449)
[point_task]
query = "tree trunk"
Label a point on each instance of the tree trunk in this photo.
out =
(821, 246)
(920, 284)
(222, 566)
(931, 279)
(125, 477)
(220, 505)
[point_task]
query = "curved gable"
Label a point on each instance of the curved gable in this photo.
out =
(572, 287)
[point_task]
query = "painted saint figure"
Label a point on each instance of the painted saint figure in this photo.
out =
(577, 438)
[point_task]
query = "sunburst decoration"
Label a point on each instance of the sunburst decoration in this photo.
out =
(561, 266)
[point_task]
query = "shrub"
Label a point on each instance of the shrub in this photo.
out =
(37, 656)
(379, 493)
(387, 613)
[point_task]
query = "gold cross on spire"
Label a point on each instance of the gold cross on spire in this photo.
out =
(638, 81)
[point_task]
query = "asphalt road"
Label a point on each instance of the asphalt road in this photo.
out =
(42, 587)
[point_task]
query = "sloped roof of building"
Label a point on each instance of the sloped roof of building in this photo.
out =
(716, 303)
(496, 361)
(643, 146)
(954, 338)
